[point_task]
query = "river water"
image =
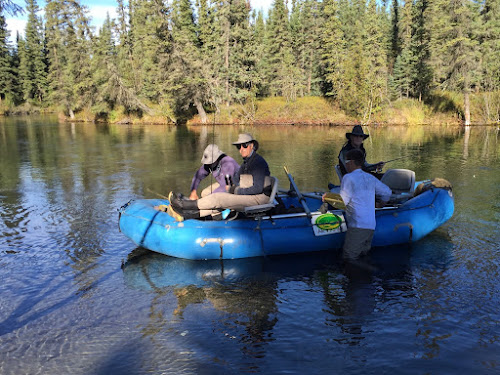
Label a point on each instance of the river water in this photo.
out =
(77, 297)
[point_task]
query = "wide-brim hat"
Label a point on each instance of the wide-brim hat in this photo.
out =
(246, 138)
(357, 130)
(211, 154)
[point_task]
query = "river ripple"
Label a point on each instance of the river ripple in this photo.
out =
(77, 297)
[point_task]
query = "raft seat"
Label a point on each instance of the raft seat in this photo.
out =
(401, 182)
(261, 208)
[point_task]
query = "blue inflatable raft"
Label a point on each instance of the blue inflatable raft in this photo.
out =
(285, 228)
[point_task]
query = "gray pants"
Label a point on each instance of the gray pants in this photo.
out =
(357, 242)
(213, 203)
(210, 189)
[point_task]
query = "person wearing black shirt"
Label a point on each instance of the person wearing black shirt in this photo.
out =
(355, 141)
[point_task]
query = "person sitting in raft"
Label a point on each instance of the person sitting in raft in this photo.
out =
(355, 142)
(220, 165)
(251, 187)
(361, 193)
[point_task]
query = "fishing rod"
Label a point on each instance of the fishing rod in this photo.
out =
(158, 194)
(401, 157)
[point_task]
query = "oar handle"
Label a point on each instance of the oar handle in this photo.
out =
(299, 196)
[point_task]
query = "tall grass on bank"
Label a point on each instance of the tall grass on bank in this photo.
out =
(440, 108)
(277, 110)
(485, 107)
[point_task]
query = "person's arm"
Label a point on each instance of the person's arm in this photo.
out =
(367, 167)
(343, 169)
(382, 193)
(229, 167)
(346, 189)
(200, 174)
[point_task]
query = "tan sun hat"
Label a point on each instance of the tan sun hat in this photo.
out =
(246, 138)
(211, 154)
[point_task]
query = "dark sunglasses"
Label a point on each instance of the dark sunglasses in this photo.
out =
(244, 145)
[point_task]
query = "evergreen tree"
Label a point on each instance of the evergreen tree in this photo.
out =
(420, 47)
(283, 73)
(305, 23)
(7, 86)
(110, 88)
(68, 43)
(354, 94)
(33, 70)
(186, 84)
(241, 68)
(403, 66)
(375, 46)
(490, 45)
(259, 46)
(212, 47)
(149, 23)
(10, 7)
(402, 74)
(395, 36)
(463, 47)
(333, 50)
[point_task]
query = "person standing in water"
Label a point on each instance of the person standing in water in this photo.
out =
(361, 193)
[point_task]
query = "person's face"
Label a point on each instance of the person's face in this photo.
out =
(356, 140)
(245, 149)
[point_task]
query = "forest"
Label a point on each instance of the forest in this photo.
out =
(180, 58)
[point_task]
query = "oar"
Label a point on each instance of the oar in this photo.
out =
(334, 199)
(301, 198)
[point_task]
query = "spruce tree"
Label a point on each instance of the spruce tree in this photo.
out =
(305, 23)
(283, 72)
(110, 88)
(395, 34)
(420, 47)
(68, 43)
(333, 50)
(241, 68)
(186, 84)
(375, 46)
(258, 46)
(403, 65)
(7, 88)
(490, 45)
(32, 57)
(148, 22)
(463, 46)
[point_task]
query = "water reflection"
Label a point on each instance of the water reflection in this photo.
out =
(250, 292)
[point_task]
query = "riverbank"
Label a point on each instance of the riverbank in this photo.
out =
(320, 111)
(439, 109)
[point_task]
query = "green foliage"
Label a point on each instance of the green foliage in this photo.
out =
(7, 77)
(33, 68)
(178, 58)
